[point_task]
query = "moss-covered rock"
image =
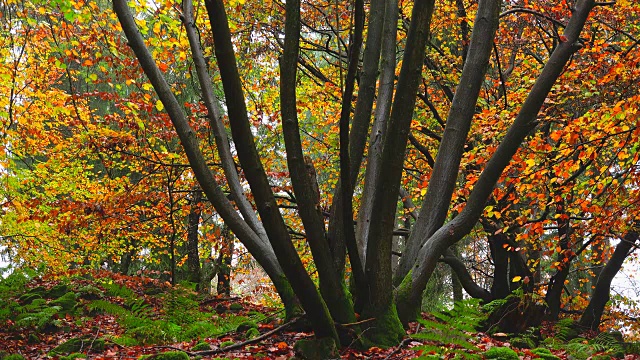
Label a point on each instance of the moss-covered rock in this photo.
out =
(169, 355)
(246, 325)
(28, 298)
(56, 291)
(67, 302)
(523, 342)
(544, 354)
(201, 346)
(78, 344)
(501, 353)
(251, 333)
(236, 307)
(316, 349)
(33, 339)
(224, 344)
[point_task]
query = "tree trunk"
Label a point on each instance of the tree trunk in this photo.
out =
(378, 265)
(593, 313)
(224, 264)
(193, 257)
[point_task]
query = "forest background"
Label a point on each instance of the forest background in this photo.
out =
(185, 140)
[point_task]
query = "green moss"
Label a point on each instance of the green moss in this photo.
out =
(387, 330)
(169, 355)
(501, 353)
(74, 356)
(316, 349)
(523, 343)
(13, 357)
(33, 339)
(224, 344)
(406, 311)
(251, 333)
(236, 307)
(544, 354)
(246, 325)
(201, 346)
(78, 344)
(67, 302)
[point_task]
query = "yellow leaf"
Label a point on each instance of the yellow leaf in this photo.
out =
(159, 105)
(516, 279)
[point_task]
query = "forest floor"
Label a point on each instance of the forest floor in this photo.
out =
(102, 315)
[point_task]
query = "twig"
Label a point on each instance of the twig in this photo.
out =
(400, 346)
(215, 300)
(358, 322)
(242, 344)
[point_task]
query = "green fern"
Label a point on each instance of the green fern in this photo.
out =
(116, 290)
(566, 329)
(139, 308)
(452, 328)
(579, 351)
(40, 319)
(107, 307)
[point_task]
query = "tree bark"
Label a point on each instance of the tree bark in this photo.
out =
(593, 313)
(216, 125)
(193, 220)
(338, 234)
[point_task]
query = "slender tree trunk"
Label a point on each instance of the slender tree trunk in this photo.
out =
(224, 264)
(193, 257)
(456, 284)
(600, 296)
(563, 261)
(379, 129)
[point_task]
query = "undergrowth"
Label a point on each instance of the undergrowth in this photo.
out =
(450, 334)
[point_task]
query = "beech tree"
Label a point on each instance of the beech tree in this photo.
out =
(506, 123)
(432, 234)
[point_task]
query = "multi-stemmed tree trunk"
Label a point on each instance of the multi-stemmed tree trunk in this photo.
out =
(370, 247)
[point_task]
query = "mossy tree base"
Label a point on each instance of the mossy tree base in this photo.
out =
(386, 330)
(316, 349)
